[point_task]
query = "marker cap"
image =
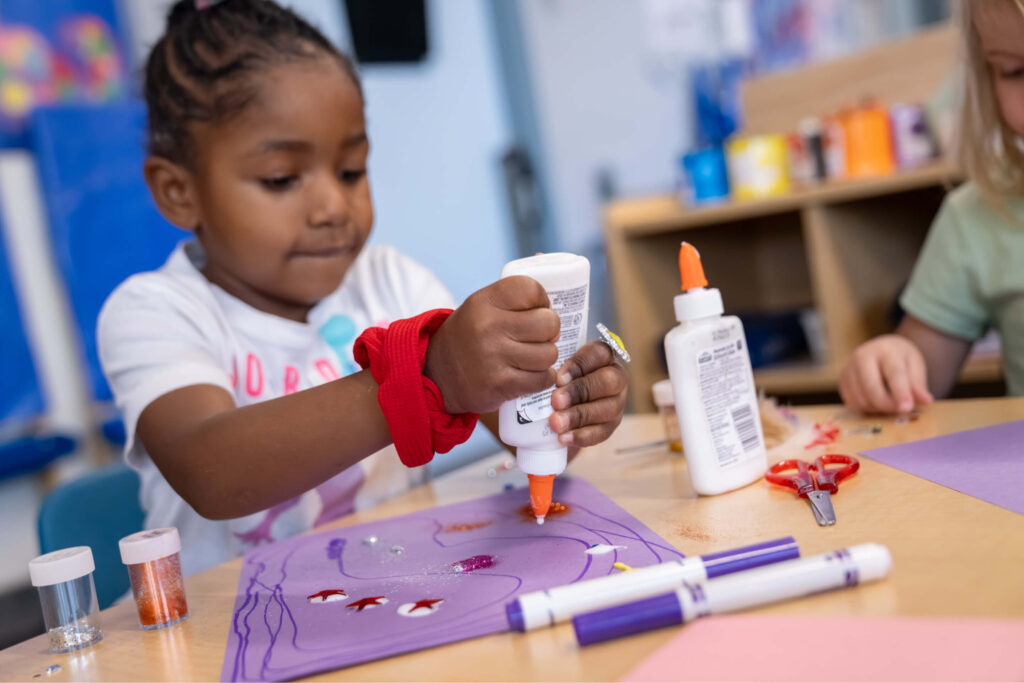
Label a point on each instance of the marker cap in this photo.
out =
(625, 620)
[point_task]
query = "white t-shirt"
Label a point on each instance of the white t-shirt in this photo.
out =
(171, 328)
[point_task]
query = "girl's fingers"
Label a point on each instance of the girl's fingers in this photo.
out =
(894, 372)
(591, 435)
(589, 358)
(609, 380)
(918, 374)
(869, 380)
(603, 411)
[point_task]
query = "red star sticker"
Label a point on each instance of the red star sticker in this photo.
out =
(425, 604)
(363, 603)
(323, 595)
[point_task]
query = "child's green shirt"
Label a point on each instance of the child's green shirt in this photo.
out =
(970, 275)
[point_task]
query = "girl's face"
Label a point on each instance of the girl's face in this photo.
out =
(1000, 27)
(282, 196)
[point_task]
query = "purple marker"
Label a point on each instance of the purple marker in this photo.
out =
(782, 581)
(545, 608)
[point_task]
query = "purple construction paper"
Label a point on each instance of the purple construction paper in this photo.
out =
(277, 634)
(986, 463)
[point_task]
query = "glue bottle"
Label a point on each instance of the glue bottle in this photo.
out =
(709, 366)
(523, 422)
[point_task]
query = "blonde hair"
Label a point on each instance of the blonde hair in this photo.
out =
(990, 152)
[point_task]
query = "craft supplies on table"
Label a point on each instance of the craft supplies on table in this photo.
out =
(67, 595)
(523, 422)
(815, 481)
(713, 386)
(155, 572)
(985, 463)
(666, 404)
(742, 590)
(555, 605)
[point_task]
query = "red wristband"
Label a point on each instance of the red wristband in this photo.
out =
(412, 403)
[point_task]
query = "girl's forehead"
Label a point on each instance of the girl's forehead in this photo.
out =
(309, 99)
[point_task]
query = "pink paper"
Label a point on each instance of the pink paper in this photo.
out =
(742, 648)
(986, 463)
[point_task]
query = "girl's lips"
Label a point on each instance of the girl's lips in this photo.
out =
(328, 252)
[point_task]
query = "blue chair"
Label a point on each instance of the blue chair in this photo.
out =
(104, 224)
(96, 510)
(25, 448)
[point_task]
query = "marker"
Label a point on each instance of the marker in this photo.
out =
(548, 607)
(783, 581)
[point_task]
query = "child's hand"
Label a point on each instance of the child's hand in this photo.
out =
(590, 397)
(499, 344)
(885, 375)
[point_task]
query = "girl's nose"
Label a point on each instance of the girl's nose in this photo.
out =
(330, 206)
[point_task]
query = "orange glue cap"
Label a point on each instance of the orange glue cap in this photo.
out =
(691, 271)
(540, 494)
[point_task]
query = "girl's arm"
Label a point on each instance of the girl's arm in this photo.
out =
(230, 462)
(896, 372)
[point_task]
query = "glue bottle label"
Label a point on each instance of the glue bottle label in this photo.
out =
(725, 386)
(570, 305)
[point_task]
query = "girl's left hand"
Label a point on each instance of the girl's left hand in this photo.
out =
(590, 396)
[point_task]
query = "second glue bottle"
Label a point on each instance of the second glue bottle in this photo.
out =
(713, 383)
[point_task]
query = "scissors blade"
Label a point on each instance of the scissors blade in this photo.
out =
(821, 506)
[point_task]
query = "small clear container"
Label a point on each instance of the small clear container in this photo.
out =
(154, 568)
(665, 400)
(67, 596)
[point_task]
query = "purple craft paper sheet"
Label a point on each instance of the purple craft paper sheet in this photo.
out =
(986, 463)
(277, 633)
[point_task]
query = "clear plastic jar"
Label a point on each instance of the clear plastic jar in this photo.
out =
(154, 568)
(665, 401)
(67, 596)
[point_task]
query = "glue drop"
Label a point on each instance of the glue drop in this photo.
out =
(523, 422)
(713, 384)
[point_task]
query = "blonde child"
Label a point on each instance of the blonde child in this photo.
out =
(247, 416)
(970, 275)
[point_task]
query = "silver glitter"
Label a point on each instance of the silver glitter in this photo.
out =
(397, 550)
(492, 473)
(74, 636)
(52, 669)
(370, 540)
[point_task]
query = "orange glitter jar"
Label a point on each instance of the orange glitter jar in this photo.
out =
(155, 572)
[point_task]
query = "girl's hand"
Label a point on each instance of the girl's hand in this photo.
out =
(499, 344)
(885, 375)
(590, 396)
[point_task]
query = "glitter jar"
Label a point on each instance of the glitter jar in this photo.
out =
(666, 403)
(67, 596)
(155, 572)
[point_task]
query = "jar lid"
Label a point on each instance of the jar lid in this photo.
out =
(61, 565)
(663, 396)
(149, 545)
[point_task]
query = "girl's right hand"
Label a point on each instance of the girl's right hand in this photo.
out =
(885, 375)
(499, 344)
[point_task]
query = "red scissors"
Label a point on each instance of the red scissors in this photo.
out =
(815, 481)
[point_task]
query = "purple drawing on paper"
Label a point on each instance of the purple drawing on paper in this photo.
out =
(277, 633)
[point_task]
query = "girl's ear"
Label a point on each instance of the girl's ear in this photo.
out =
(173, 190)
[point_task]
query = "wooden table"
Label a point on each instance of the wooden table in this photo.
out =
(953, 556)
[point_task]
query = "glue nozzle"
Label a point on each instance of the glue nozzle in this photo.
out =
(540, 494)
(691, 271)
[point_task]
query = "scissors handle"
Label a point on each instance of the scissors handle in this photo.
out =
(802, 482)
(828, 479)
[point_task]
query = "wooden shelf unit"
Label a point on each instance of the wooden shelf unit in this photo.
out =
(845, 249)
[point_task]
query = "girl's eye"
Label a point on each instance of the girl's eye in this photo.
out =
(352, 177)
(279, 183)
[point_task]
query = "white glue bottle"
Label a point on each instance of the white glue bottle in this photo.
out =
(709, 366)
(523, 422)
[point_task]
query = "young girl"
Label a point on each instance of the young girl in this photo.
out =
(970, 275)
(247, 416)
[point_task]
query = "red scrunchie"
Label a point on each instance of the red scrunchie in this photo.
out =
(412, 403)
